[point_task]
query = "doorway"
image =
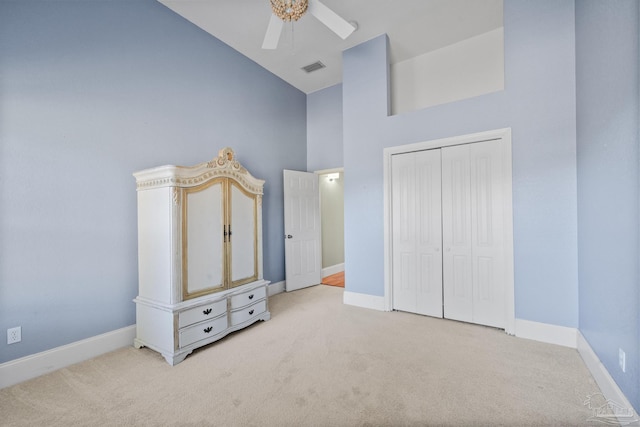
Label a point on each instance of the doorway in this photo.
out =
(314, 227)
(442, 197)
(331, 184)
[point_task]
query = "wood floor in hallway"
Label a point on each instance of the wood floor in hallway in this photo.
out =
(334, 280)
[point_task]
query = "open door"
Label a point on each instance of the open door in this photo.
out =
(303, 250)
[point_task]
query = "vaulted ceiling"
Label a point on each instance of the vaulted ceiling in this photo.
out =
(414, 27)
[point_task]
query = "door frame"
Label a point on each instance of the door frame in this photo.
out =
(503, 135)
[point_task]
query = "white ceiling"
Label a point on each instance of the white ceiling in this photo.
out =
(414, 27)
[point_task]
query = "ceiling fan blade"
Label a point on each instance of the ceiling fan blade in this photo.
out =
(272, 36)
(331, 19)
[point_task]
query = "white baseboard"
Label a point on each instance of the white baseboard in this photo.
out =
(338, 268)
(28, 367)
(544, 332)
(276, 288)
(607, 384)
(363, 300)
(25, 368)
(571, 337)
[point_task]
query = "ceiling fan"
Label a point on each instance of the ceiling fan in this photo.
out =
(292, 10)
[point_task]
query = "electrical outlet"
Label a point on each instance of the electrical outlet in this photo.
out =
(622, 360)
(14, 335)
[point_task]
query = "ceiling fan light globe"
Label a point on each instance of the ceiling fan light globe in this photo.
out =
(289, 10)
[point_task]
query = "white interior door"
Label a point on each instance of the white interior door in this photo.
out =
(417, 233)
(473, 229)
(303, 263)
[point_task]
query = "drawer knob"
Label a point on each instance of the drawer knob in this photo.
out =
(251, 312)
(251, 296)
(207, 330)
(207, 311)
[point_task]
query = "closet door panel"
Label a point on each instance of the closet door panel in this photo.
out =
(417, 241)
(456, 232)
(429, 232)
(403, 211)
(487, 239)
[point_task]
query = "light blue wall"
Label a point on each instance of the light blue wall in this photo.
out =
(91, 91)
(324, 129)
(607, 55)
(538, 103)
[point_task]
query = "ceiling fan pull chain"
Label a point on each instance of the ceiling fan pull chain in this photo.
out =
(293, 45)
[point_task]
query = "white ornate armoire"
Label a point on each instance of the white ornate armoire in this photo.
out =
(199, 255)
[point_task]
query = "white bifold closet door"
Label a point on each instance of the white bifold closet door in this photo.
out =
(448, 233)
(417, 232)
(473, 234)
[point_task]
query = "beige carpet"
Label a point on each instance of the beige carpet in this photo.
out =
(318, 362)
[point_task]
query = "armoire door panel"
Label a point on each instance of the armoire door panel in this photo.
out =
(242, 240)
(203, 240)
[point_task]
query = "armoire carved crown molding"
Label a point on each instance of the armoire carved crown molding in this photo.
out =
(225, 165)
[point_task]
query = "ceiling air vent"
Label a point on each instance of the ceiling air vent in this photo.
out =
(313, 67)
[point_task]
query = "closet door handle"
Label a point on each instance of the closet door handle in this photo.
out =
(289, 236)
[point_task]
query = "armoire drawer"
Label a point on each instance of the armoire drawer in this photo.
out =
(247, 313)
(202, 312)
(202, 331)
(246, 298)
